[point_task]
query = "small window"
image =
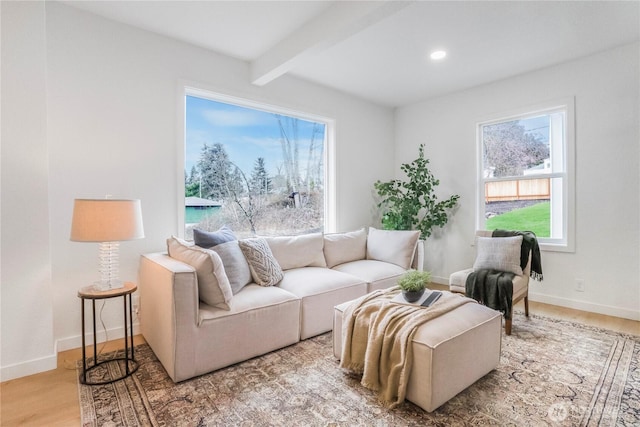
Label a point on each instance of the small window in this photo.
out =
(525, 164)
(257, 169)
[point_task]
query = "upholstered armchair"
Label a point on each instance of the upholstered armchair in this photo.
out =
(496, 260)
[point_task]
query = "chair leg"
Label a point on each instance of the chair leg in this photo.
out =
(526, 306)
(507, 322)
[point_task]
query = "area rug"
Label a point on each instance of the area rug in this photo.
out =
(551, 373)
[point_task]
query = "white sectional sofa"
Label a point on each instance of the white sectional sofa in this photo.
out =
(198, 315)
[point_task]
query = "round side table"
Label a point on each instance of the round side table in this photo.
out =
(130, 364)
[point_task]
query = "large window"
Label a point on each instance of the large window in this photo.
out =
(525, 173)
(257, 169)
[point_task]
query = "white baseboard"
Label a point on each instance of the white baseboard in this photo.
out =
(111, 334)
(440, 280)
(50, 362)
(29, 367)
(585, 306)
(569, 303)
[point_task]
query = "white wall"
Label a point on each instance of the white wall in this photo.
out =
(606, 91)
(26, 293)
(92, 109)
(112, 111)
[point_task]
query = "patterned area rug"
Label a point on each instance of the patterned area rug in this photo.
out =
(551, 373)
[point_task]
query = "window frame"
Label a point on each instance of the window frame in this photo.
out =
(566, 105)
(200, 91)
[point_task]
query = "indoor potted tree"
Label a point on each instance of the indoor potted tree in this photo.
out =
(412, 204)
(413, 283)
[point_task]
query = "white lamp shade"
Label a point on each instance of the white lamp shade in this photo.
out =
(106, 220)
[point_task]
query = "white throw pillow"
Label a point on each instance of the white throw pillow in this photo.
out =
(265, 270)
(235, 265)
(213, 285)
(498, 253)
(393, 246)
(345, 247)
(298, 251)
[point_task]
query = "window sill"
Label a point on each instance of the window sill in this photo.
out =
(556, 247)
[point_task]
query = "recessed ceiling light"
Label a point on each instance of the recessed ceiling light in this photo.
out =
(438, 55)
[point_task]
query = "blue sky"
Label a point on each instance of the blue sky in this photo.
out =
(245, 133)
(539, 126)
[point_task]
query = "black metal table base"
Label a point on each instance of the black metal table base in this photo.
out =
(129, 369)
(126, 363)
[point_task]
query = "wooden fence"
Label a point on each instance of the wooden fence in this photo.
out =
(524, 189)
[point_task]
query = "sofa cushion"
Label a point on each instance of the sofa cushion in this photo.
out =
(213, 284)
(265, 270)
(458, 281)
(344, 247)
(252, 298)
(320, 289)
(235, 264)
(394, 246)
(298, 251)
(312, 281)
(498, 253)
(377, 274)
(261, 320)
(208, 239)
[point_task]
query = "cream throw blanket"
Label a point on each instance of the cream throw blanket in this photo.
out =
(377, 336)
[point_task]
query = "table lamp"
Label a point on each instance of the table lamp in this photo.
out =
(107, 221)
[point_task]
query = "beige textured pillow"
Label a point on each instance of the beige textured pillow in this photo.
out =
(345, 247)
(265, 270)
(213, 285)
(498, 253)
(393, 246)
(298, 251)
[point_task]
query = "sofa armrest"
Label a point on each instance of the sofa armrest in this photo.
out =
(169, 309)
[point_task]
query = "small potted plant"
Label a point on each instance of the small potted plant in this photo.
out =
(413, 284)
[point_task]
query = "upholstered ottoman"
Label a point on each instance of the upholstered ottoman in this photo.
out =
(450, 352)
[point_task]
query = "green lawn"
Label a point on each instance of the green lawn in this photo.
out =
(532, 218)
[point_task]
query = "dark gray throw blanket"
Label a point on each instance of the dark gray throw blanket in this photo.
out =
(495, 288)
(529, 243)
(492, 288)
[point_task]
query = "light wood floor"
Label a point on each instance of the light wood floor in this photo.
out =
(51, 398)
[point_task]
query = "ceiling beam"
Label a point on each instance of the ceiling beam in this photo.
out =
(339, 22)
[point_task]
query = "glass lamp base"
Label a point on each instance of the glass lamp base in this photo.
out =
(107, 286)
(108, 267)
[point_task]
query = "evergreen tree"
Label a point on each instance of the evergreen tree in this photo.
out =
(192, 183)
(260, 181)
(217, 173)
(235, 181)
